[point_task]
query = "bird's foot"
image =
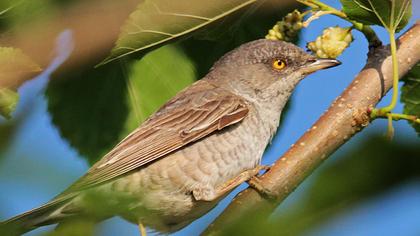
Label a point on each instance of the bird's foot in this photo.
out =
(210, 194)
(259, 168)
(204, 194)
(256, 183)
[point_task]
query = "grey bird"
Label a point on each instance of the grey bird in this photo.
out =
(194, 150)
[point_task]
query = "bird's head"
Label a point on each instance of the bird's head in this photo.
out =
(267, 65)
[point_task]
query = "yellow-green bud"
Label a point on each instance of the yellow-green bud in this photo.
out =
(332, 42)
(286, 29)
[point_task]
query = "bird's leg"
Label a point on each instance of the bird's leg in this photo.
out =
(207, 194)
(142, 229)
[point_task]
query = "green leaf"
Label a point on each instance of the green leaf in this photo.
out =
(410, 94)
(96, 108)
(16, 14)
(15, 67)
(6, 6)
(89, 108)
(391, 14)
(157, 78)
(8, 101)
(155, 22)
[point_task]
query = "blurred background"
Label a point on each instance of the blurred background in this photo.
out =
(370, 186)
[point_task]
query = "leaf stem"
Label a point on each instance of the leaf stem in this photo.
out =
(386, 111)
(398, 116)
(390, 133)
(368, 32)
(394, 71)
(379, 112)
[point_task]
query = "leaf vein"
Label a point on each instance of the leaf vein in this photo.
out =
(166, 39)
(180, 14)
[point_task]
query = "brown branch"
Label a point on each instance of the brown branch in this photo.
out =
(347, 115)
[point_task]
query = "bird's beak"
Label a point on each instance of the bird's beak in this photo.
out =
(319, 64)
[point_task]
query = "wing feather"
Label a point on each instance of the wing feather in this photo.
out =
(193, 114)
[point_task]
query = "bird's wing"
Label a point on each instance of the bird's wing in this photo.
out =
(191, 115)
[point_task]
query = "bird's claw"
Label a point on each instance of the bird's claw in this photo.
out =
(260, 168)
(256, 183)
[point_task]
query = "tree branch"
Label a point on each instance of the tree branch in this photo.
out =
(347, 115)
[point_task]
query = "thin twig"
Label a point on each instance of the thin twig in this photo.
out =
(315, 16)
(370, 35)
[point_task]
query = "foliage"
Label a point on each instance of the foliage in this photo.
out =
(8, 101)
(89, 107)
(15, 68)
(393, 14)
(19, 12)
(94, 108)
(152, 22)
(153, 81)
(410, 95)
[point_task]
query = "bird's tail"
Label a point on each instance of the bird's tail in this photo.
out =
(49, 213)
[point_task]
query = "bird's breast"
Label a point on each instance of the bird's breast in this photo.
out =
(165, 186)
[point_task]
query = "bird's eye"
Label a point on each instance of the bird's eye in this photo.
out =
(279, 64)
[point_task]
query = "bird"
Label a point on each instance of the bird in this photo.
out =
(199, 146)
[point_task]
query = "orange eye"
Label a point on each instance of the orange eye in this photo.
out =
(279, 64)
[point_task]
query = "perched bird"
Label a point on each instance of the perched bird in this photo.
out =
(194, 150)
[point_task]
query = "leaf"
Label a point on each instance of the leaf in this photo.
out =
(410, 94)
(88, 107)
(157, 78)
(6, 6)
(391, 14)
(15, 67)
(96, 108)
(8, 101)
(235, 30)
(155, 22)
(7, 130)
